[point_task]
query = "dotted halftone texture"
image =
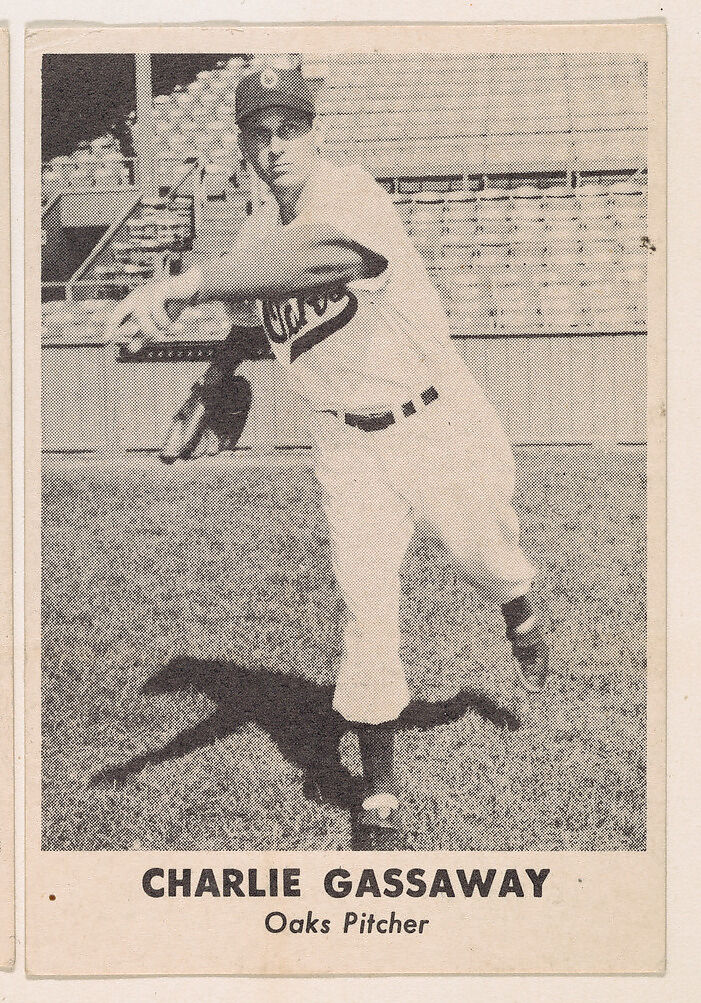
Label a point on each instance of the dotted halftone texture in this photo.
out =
(192, 625)
(191, 618)
(413, 114)
(536, 267)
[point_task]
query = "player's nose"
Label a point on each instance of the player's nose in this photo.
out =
(276, 144)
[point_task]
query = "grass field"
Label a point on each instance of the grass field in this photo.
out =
(190, 625)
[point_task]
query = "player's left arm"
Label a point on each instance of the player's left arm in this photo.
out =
(300, 256)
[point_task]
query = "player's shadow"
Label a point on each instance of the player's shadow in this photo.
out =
(295, 712)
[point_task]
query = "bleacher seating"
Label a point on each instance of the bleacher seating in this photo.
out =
(530, 260)
(193, 121)
(522, 189)
(197, 121)
(484, 112)
(86, 169)
(410, 114)
(151, 240)
(82, 321)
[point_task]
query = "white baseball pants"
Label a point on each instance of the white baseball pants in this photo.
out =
(451, 465)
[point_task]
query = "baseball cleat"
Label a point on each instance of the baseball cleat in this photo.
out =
(378, 824)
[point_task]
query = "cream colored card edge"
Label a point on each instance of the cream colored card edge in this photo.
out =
(118, 933)
(7, 834)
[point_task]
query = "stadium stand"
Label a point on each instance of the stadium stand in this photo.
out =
(524, 192)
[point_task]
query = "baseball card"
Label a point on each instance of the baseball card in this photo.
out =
(7, 827)
(345, 451)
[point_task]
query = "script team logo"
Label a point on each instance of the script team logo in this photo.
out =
(308, 318)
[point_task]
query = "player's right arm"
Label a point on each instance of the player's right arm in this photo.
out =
(300, 256)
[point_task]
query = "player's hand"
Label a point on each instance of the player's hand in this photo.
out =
(147, 309)
(148, 306)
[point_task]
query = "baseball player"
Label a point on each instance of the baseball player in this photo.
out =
(402, 430)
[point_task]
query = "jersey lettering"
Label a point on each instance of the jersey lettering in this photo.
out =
(308, 318)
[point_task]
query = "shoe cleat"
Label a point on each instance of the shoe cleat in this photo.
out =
(378, 824)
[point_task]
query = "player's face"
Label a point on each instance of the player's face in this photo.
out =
(281, 146)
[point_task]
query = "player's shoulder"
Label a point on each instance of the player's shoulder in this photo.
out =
(262, 215)
(350, 192)
(350, 176)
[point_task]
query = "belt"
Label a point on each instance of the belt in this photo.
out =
(376, 422)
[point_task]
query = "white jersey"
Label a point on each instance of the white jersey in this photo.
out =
(366, 343)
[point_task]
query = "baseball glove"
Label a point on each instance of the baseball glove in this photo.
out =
(214, 415)
(211, 419)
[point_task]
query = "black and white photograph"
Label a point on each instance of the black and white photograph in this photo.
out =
(344, 451)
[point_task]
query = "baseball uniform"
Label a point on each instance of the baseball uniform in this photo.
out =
(402, 431)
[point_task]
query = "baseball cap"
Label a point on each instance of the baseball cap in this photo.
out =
(273, 88)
